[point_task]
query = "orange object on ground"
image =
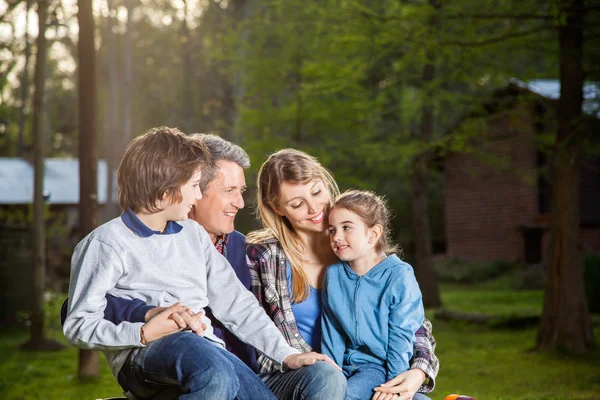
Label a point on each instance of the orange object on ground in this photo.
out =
(458, 397)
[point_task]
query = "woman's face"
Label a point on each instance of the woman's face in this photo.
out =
(306, 206)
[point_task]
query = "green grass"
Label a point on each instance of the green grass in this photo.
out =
(486, 363)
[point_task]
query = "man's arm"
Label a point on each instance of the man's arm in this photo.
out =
(117, 310)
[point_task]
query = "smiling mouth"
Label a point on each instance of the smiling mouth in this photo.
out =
(319, 218)
(340, 248)
(229, 214)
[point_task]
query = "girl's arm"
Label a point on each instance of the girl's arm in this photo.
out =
(406, 316)
(333, 343)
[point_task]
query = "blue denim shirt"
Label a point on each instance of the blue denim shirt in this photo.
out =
(371, 318)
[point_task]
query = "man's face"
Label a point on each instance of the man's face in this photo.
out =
(221, 200)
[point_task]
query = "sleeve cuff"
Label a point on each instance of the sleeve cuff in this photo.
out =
(429, 383)
(139, 313)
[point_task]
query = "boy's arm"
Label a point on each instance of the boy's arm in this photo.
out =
(406, 316)
(333, 343)
(117, 310)
(95, 269)
(237, 309)
(424, 357)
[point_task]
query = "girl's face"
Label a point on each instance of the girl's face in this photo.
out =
(305, 205)
(350, 238)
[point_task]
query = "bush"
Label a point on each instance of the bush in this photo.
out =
(591, 281)
(461, 271)
(531, 277)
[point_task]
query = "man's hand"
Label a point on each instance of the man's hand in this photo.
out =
(295, 361)
(402, 387)
(170, 320)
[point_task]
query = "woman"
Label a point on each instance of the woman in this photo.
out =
(288, 259)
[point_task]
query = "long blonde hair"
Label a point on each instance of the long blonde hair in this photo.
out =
(296, 167)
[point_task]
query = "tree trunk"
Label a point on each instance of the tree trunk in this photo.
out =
(24, 85)
(565, 322)
(88, 157)
(420, 192)
(37, 341)
(111, 138)
(188, 73)
(128, 76)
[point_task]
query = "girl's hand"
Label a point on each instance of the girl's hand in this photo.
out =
(295, 361)
(403, 387)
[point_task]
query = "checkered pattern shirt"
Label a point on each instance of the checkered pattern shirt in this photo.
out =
(267, 264)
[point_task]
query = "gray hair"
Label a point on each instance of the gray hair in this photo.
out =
(220, 149)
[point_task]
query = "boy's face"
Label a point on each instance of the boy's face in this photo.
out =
(221, 200)
(190, 192)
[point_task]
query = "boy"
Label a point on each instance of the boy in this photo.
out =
(144, 254)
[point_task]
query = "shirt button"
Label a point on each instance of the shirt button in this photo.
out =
(295, 334)
(283, 286)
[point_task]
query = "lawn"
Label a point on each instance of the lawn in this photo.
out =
(489, 364)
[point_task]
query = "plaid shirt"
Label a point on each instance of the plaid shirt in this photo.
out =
(267, 264)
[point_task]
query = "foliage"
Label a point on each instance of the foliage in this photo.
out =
(462, 271)
(591, 281)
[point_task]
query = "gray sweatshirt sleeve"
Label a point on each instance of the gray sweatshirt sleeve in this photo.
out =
(238, 309)
(95, 269)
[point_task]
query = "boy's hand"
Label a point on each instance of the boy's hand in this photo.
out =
(295, 361)
(170, 320)
(188, 320)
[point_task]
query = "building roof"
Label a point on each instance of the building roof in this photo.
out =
(61, 181)
(550, 88)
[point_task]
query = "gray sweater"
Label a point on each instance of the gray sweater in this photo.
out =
(161, 270)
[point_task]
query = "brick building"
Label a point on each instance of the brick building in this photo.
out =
(497, 196)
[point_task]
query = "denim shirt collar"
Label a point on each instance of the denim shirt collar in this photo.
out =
(139, 228)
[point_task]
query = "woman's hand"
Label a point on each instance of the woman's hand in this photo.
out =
(402, 387)
(295, 361)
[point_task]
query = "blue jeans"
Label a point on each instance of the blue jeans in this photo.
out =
(320, 381)
(186, 366)
(363, 378)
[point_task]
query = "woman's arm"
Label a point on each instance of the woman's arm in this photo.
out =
(424, 358)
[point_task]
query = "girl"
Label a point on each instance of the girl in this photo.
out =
(288, 259)
(371, 300)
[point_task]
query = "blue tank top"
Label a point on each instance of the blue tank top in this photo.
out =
(307, 314)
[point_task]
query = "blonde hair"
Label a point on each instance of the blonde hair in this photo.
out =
(373, 210)
(296, 167)
(156, 163)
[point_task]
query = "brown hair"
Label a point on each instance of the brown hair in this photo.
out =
(156, 163)
(297, 167)
(373, 210)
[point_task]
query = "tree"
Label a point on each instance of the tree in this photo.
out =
(37, 341)
(24, 84)
(565, 322)
(420, 181)
(88, 157)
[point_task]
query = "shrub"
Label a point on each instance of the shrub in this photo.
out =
(591, 281)
(461, 271)
(531, 277)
